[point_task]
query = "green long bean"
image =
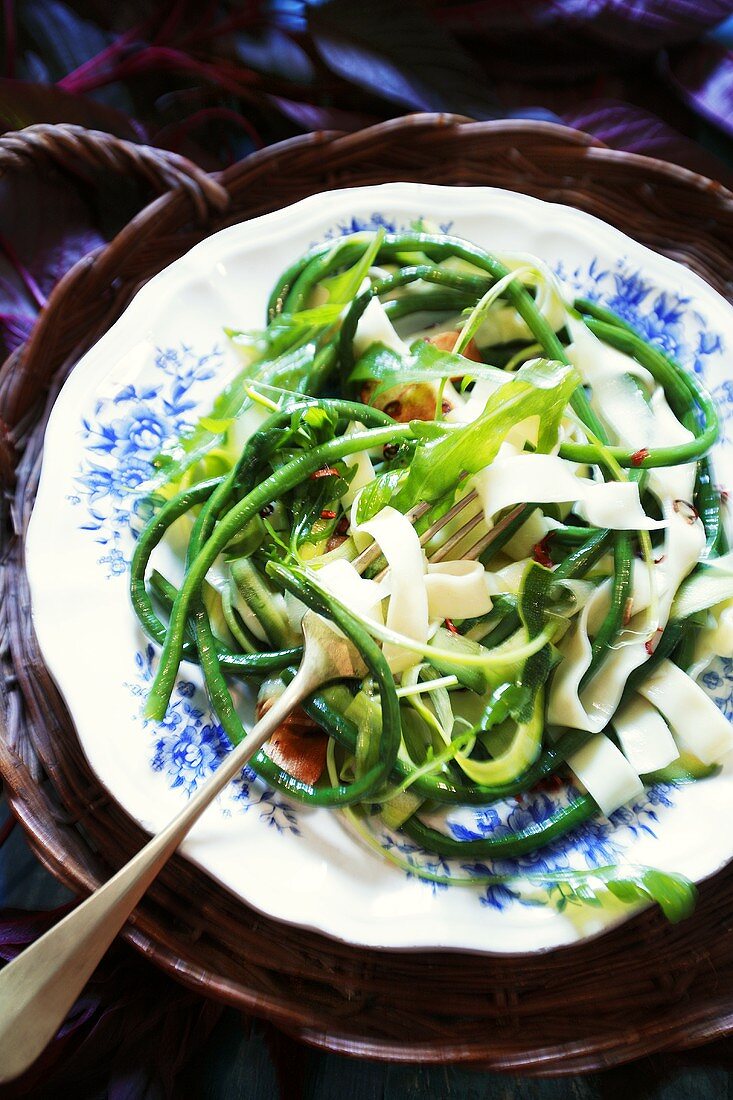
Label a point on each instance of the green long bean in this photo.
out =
(284, 479)
(241, 664)
(506, 845)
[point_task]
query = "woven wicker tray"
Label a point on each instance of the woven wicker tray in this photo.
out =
(642, 988)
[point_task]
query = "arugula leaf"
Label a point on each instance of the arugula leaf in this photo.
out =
(424, 363)
(289, 371)
(378, 493)
(314, 498)
(346, 285)
(286, 331)
(675, 894)
(482, 307)
(542, 388)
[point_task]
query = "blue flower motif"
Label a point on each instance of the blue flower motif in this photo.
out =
(119, 481)
(718, 680)
(115, 561)
(377, 221)
(191, 751)
(141, 430)
(122, 438)
(596, 843)
(663, 318)
(499, 895)
(188, 744)
(660, 795)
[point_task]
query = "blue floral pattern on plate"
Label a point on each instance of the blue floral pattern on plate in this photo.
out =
(598, 843)
(189, 743)
(377, 221)
(123, 433)
(663, 318)
(122, 436)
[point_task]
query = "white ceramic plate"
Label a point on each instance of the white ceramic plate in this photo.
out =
(155, 371)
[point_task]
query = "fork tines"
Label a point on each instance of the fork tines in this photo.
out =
(372, 553)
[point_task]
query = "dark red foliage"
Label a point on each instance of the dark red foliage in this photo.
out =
(132, 1030)
(216, 80)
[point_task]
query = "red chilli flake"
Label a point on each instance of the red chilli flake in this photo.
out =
(724, 494)
(541, 551)
(343, 525)
(451, 626)
(688, 511)
(325, 471)
(328, 514)
(638, 456)
(652, 643)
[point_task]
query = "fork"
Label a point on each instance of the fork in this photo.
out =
(38, 988)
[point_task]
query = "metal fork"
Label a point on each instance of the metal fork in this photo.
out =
(39, 987)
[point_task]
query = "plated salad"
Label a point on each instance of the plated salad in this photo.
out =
(549, 570)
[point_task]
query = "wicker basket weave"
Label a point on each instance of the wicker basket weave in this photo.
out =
(645, 986)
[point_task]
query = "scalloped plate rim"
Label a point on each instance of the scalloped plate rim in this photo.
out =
(417, 197)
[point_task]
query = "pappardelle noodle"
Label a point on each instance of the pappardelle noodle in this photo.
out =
(399, 369)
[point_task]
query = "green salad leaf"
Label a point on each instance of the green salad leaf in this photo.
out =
(342, 288)
(542, 388)
(378, 493)
(289, 371)
(673, 893)
(425, 363)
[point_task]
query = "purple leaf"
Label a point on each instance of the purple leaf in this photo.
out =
(16, 328)
(48, 228)
(57, 236)
(24, 104)
(18, 927)
(703, 77)
(18, 310)
(397, 53)
(624, 126)
(656, 23)
(65, 41)
(275, 53)
(534, 39)
(132, 1028)
(63, 37)
(311, 116)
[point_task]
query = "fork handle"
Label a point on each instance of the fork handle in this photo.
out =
(38, 988)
